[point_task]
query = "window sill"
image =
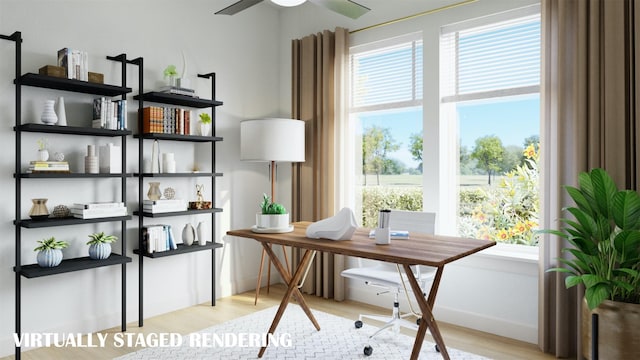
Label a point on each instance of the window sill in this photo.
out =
(523, 253)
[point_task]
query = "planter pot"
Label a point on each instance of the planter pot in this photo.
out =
(280, 221)
(49, 258)
(203, 129)
(618, 330)
(99, 251)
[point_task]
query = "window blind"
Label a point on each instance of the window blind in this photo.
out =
(387, 77)
(500, 59)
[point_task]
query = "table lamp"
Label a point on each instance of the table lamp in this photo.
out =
(273, 141)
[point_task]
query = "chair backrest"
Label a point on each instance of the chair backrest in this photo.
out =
(413, 221)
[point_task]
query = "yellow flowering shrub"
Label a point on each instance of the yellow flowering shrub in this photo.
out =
(508, 212)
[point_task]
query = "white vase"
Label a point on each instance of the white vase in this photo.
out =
(48, 116)
(203, 129)
(61, 112)
(188, 235)
(91, 161)
(203, 233)
(43, 155)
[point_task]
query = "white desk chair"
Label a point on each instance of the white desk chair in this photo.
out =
(389, 277)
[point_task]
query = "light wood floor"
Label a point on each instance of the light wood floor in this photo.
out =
(202, 316)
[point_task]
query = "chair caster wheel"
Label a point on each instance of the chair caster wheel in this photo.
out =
(418, 321)
(358, 324)
(437, 348)
(368, 350)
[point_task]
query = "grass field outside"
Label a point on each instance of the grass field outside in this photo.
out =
(466, 181)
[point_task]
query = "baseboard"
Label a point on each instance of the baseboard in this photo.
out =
(492, 325)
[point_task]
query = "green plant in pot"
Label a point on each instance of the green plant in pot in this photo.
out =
(204, 124)
(50, 252)
(605, 236)
(100, 245)
(272, 215)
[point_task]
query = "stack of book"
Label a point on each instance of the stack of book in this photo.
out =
(98, 210)
(393, 234)
(109, 114)
(48, 167)
(166, 120)
(179, 91)
(163, 206)
(157, 238)
(75, 62)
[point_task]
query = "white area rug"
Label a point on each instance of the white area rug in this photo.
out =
(337, 339)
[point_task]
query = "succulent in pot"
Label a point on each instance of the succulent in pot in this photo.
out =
(100, 245)
(50, 252)
(272, 215)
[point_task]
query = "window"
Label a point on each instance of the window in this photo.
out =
(386, 108)
(490, 94)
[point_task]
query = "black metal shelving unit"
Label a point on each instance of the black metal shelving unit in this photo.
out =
(75, 264)
(190, 102)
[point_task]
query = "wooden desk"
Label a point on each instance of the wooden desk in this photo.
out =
(420, 249)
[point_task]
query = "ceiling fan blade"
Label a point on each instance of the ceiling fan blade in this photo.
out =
(237, 7)
(345, 7)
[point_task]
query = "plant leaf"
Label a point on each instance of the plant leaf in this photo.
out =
(603, 191)
(626, 209)
(595, 295)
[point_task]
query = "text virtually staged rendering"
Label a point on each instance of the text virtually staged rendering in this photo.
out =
(319, 179)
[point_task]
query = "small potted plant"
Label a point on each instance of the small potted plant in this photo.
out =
(50, 252)
(205, 124)
(171, 73)
(272, 215)
(43, 152)
(100, 245)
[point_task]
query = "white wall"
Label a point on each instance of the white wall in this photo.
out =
(503, 289)
(250, 52)
(242, 50)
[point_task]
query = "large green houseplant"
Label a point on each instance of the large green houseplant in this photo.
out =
(604, 231)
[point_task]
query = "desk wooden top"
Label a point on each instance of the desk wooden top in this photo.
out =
(419, 249)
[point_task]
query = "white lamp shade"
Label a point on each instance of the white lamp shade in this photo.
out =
(288, 2)
(272, 140)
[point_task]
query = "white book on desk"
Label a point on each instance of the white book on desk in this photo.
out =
(394, 234)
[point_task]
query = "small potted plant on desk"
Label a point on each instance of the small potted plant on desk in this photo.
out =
(50, 252)
(100, 245)
(273, 216)
(605, 238)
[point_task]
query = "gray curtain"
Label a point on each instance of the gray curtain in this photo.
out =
(318, 78)
(590, 84)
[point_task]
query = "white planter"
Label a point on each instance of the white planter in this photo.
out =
(280, 221)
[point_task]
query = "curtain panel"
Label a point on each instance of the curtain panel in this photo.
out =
(590, 83)
(319, 73)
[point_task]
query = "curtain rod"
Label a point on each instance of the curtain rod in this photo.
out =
(427, 12)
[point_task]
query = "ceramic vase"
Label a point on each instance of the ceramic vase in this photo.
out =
(188, 235)
(49, 116)
(203, 234)
(49, 257)
(99, 251)
(154, 191)
(203, 129)
(91, 161)
(61, 112)
(39, 209)
(43, 155)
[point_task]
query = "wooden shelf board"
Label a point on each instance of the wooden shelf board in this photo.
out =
(70, 130)
(182, 249)
(32, 224)
(79, 86)
(178, 213)
(70, 265)
(177, 99)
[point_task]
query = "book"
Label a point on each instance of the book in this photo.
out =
(162, 202)
(98, 213)
(394, 234)
(98, 205)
